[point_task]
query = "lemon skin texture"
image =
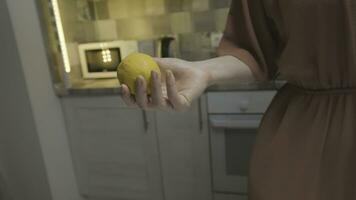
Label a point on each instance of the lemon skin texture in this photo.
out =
(135, 65)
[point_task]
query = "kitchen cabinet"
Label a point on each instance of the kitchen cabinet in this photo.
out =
(114, 149)
(121, 152)
(230, 197)
(234, 120)
(184, 150)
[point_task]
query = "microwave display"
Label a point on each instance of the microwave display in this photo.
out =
(103, 60)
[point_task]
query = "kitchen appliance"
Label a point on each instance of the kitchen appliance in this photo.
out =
(100, 60)
(234, 118)
(167, 47)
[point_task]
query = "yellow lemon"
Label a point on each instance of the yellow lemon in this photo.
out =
(135, 65)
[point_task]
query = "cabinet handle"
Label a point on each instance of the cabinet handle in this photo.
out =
(200, 116)
(235, 121)
(145, 120)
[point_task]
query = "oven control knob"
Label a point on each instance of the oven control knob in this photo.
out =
(244, 105)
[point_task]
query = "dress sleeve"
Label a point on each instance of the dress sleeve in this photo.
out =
(248, 36)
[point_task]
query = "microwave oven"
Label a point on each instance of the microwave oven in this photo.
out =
(100, 60)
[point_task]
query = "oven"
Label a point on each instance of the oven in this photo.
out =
(234, 118)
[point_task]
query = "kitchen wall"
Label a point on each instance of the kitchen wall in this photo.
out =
(195, 23)
(140, 19)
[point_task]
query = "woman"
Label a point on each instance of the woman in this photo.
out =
(306, 145)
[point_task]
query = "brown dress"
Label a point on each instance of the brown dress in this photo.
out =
(306, 148)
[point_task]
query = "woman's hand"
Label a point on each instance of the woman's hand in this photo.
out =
(181, 83)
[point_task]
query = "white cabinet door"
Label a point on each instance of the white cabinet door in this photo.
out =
(114, 149)
(184, 149)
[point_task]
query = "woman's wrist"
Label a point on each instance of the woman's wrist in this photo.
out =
(223, 69)
(207, 74)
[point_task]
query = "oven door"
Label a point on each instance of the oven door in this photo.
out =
(232, 138)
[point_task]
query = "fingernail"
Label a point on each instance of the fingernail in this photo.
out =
(123, 91)
(122, 88)
(154, 75)
(138, 81)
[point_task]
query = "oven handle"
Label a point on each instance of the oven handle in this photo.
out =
(235, 121)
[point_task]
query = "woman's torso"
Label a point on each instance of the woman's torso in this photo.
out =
(316, 41)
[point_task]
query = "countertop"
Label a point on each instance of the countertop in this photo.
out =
(112, 87)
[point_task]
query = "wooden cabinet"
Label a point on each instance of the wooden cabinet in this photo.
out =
(115, 154)
(124, 153)
(184, 150)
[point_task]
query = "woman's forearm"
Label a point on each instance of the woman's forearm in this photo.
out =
(226, 69)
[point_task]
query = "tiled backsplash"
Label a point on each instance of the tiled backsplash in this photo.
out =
(101, 20)
(195, 24)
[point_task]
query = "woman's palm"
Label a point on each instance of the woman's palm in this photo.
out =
(181, 83)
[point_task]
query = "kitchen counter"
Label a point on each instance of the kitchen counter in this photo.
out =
(272, 85)
(89, 87)
(112, 87)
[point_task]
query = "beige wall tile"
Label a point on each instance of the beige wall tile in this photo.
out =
(147, 47)
(203, 21)
(181, 22)
(136, 8)
(101, 9)
(200, 5)
(174, 5)
(214, 4)
(105, 30)
(187, 5)
(154, 7)
(118, 9)
(139, 28)
(161, 25)
(220, 17)
(195, 46)
(85, 32)
(145, 19)
(68, 13)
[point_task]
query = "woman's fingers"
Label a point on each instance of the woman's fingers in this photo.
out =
(141, 92)
(156, 91)
(175, 99)
(126, 96)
